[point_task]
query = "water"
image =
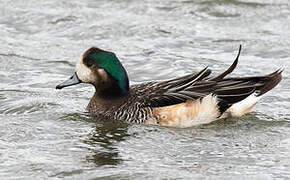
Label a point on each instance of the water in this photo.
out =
(46, 133)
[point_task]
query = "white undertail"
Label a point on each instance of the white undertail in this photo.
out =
(243, 107)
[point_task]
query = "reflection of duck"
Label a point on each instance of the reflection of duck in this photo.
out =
(102, 142)
(182, 102)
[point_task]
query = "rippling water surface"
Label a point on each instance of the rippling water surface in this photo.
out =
(45, 133)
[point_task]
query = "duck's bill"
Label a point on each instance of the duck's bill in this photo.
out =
(71, 81)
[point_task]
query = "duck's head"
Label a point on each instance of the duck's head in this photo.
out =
(101, 69)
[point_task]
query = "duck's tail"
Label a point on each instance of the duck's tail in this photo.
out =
(270, 81)
(262, 85)
(239, 95)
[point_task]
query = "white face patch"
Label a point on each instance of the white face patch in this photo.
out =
(84, 73)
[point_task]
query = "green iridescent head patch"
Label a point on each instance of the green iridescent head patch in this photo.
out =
(110, 63)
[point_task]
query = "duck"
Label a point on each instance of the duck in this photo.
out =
(190, 100)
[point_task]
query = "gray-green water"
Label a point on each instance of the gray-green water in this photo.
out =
(46, 134)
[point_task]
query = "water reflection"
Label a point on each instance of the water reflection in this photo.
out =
(103, 139)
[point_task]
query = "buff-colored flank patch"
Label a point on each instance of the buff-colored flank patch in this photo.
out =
(188, 114)
(199, 112)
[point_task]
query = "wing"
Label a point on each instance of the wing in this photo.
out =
(196, 86)
(175, 91)
(191, 87)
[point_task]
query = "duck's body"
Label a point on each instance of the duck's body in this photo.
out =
(182, 102)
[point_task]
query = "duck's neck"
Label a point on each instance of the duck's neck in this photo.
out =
(112, 92)
(105, 101)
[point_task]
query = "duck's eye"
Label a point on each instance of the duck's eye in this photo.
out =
(89, 62)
